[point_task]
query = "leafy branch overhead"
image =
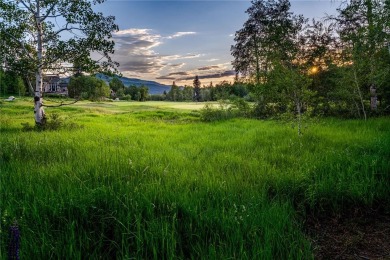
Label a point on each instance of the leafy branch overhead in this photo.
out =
(51, 36)
(72, 31)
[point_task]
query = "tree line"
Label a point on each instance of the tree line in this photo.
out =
(339, 66)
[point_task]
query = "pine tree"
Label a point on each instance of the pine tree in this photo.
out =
(196, 85)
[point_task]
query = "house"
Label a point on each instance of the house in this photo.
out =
(52, 83)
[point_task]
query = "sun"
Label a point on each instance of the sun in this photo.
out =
(313, 70)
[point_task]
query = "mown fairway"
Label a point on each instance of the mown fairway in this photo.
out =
(150, 180)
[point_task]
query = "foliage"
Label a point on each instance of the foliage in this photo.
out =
(187, 93)
(120, 93)
(134, 92)
(11, 83)
(271, 37)
(78, 16)
(238, 107)
(269, 34)
(209, 113)
(157, 97)
(126, 97)
(53, 36)
(88, 87)
(330, 65)
(174, 93)
(54, 123)
(223, 90)
(243, 107)
(197, 85)
(116, 84)
(144, 93)
(363, 27)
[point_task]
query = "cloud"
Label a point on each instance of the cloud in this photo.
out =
(177, 65)
(174, 75)
(136, 41)
(166, 78)
(135, 51)
(180, 34)
(181, 73)
(181, 57)
(211, 60)
(209, 67)
(184, 76)
(134, 31)
(140, 65)
(223, 74)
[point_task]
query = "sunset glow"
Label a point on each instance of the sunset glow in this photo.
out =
(168, 41)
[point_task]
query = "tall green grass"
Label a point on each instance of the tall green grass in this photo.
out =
(159, 183)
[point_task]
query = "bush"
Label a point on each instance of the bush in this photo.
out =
(238, 107)
(209, 113)
(243, 107)
(156, 97)
(55, 122)
(126, 97)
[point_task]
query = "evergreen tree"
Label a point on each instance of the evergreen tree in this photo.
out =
(197, 85)
(173, 93)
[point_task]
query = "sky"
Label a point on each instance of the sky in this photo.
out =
(168, 41)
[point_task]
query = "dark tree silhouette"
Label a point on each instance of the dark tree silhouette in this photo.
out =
(197, 85)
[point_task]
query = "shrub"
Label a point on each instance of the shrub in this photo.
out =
(126, 97)
(243, 108)
(209, 113)
(55, 122)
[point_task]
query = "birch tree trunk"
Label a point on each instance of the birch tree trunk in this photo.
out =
(38, 44)
(299, 112)
(38, 101)
(360, 94)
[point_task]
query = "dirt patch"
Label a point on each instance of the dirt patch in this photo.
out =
(358, 234)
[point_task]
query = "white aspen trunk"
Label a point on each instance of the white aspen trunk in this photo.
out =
(357, 107)
(374, 98)
(360, 95)
(30, 86)
(257, 62)
(38, 101)
(299, 117)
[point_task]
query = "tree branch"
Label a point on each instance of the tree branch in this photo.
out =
(27, 7)
(48, 12)
(20, 43)
(67, 29)
(62, 104)
(30, 86)
(52, 16)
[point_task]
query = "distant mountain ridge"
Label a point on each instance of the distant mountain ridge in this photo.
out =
(154, 87)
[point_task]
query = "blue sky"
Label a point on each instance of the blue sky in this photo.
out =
(168, 41)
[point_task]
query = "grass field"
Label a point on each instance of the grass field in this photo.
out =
(130, 180)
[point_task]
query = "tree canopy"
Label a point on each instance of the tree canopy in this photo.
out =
(54, 36)
(338, 64)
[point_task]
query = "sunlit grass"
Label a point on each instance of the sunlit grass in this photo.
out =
(124, 106)
(147, 180)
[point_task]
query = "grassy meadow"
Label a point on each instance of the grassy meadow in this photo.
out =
(131, 180)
